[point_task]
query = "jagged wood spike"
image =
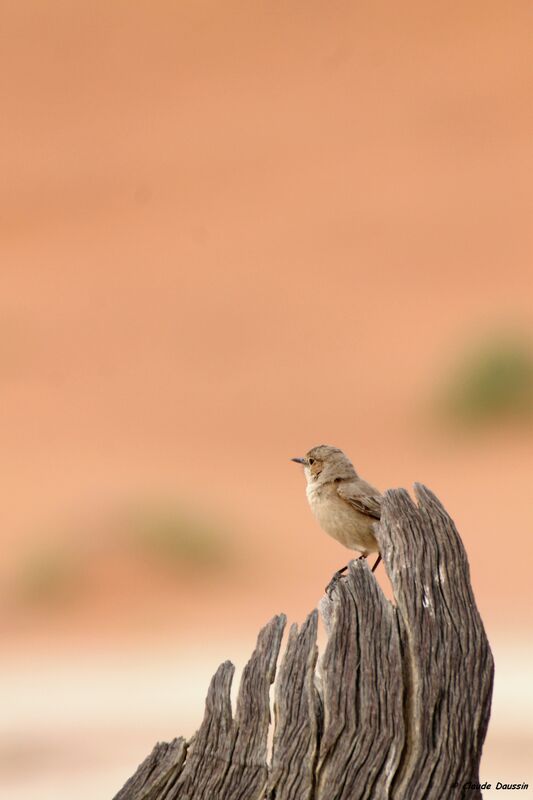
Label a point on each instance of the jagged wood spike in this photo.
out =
(156, 777)
(227, 757)
(362, 687)
(211, 747)
(295, 743)
(448, 665)
(247, 774)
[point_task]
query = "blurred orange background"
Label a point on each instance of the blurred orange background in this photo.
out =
(230, 232)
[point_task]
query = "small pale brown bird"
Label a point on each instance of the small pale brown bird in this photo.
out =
(346, 506)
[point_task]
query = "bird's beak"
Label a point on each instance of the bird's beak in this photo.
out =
(299, 460)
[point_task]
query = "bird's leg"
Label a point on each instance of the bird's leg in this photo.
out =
(362, 556)
(335, 579)
(378, 559)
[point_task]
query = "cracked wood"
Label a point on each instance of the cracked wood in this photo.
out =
(397, 707)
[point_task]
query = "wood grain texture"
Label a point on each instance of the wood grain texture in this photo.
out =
(227, 758)
(397, 707)
(448, 665)
(362, 688)
(297, 717)
(156, 777)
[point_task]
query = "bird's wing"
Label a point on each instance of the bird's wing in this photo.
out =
(368, 504)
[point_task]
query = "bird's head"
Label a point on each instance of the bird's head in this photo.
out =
(326, 463)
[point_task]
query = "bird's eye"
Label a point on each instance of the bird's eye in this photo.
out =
(311, 461)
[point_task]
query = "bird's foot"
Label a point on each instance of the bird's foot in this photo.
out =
(334, 581)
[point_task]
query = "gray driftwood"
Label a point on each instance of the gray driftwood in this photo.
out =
(397, 708)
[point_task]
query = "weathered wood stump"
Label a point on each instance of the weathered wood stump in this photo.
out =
(397, 707)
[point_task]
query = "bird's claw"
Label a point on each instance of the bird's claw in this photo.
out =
(334, 581)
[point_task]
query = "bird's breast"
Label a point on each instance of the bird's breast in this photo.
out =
(340, 520)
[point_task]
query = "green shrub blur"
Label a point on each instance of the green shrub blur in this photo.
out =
(493, 384)
(170, 535)
(160, 536)
(47, 575)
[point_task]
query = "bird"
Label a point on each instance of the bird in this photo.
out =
(345, 506)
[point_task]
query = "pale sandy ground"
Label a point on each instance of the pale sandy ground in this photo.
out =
(75, 723)
(228, 234)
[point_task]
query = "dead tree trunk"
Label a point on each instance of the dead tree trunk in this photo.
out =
(396, 709)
